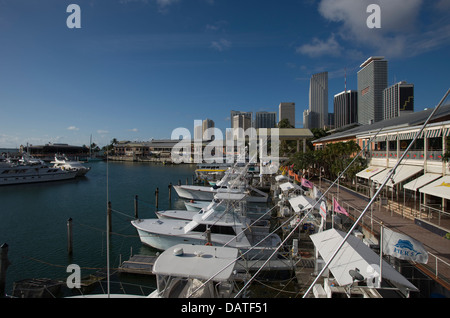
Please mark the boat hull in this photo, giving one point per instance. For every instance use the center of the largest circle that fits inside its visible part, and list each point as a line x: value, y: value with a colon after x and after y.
x: 201, y: 193
x: 35, y: 178
x: 163, y: 242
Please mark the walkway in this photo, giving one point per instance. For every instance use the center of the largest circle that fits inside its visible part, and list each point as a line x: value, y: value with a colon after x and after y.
x: 437, y: 246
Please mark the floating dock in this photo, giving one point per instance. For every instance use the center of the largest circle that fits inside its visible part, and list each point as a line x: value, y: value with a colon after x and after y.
x: 143, y: 265
x: 139, y: 264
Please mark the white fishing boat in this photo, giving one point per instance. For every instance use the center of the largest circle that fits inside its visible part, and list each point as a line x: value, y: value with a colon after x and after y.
x: 30, y: 170
x: 196, y: 271
x: 195, y: 206
x: 68, y: 165
x: 205, y: 193
x: 215, y: 226
x: 235, y: 181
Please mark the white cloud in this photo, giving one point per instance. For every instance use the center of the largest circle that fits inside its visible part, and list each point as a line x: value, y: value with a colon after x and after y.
x: 165, y: 3
x: 133, y: 130
x: 221, y: 45
x: 319, y: 47
x: 102, y: 132
x: 401, y: 32
x: 73, y: 128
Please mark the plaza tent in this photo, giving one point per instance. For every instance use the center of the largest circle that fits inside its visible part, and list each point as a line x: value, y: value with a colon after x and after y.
x: 439, y: 188
x: 424, y: 179
x: 355, y: 254
x: 370, y: 172
x: 402, y: 173
x: 419, y: 182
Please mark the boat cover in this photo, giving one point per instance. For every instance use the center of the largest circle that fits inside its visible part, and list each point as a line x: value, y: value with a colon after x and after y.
x: 354, y: 254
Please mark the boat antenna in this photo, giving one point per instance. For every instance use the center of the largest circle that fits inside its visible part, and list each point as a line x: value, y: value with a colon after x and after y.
x: 376, y: 194
x: 108, y: 230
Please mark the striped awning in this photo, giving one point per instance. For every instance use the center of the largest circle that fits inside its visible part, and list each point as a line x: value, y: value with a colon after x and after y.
x: 433, y: 133
x: 380, y: 138
x: 392, y: 137
x: 408, y: 135
x: 446, y: 132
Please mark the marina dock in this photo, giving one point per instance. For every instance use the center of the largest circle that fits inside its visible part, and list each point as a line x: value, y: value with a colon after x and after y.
x: 138, y: 264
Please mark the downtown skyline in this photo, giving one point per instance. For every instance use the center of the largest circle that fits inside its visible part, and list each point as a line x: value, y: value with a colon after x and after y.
x: 138, y: 69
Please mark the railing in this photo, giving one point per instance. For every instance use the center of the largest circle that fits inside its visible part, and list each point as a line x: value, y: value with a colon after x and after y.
x: 431, y: 211
x: 435, y: 155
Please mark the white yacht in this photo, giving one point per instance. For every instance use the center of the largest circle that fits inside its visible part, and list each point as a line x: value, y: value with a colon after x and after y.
x: 205, y: 193
x: 195, y: 206
x: 196, y: 271
x: 223, y: 201
x: 218, y: 227
x: 28, y: 170
x: 68, y: 165
x: 233, y: 182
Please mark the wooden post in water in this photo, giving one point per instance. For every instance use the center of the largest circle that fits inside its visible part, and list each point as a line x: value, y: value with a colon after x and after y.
x: 170, y: 193
x: 187, y: 181
x: 109, y: 218
x: 156, y: 199
x: 179, y: 182
x: 69, y: 237
x: 4, y: 263
x: 136, y: 212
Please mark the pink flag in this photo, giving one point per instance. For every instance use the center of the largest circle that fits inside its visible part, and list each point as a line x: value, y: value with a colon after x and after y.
x: 338, y: 208
x: 307, y: 184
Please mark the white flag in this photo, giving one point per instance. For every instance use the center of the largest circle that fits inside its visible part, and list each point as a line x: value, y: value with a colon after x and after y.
x: 403, y: 247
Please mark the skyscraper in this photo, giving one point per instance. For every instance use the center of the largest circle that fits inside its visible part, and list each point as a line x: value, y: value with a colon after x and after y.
x: 306, y: 119
x: 318, y: 100
x: 398, y: 99
x: 372, y: 80
x: 345, y: 108
x: 287, y: 111
x: 236, y: 112
x: 241, y: 121
x: 207, y: 123
x: 265, y: 120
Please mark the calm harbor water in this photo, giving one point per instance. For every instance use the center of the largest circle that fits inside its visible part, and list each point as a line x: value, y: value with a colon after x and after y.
x: 33, y: 217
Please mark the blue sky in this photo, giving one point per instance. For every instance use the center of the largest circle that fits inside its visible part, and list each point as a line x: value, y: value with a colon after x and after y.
x: 138, y: 69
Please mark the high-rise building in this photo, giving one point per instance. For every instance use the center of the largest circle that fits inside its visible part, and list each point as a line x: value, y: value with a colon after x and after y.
x: 330, y: 122
x: 306, y: 119
x: 241, y: 121
x: 236, y: 112
x: 318, y: 100
x: 345, y: 108
x: 207, y: 123
x: 287, y: 111
x: 398, y: 100
x: 372, y: 80
x: 265, y: 120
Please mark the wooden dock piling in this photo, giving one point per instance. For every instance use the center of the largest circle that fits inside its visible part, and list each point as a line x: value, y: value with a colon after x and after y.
x: 170, y: 192
x: 69, y: 237
x: 156, y: 199
x: 136, y: 208
x: 4, y: 263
